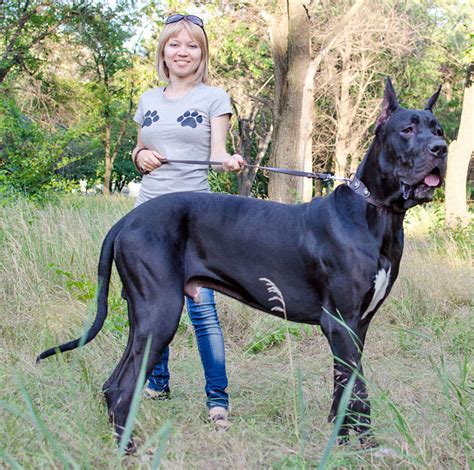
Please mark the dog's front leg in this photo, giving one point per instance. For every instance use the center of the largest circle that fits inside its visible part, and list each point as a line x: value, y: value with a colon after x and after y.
x: 347, y: 344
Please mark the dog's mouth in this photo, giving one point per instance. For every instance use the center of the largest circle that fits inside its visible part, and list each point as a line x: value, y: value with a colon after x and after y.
x: 433, y: 179
x: 424, y: 189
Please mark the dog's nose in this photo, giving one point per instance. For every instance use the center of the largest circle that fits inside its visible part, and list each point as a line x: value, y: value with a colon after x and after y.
x: 438, y: 148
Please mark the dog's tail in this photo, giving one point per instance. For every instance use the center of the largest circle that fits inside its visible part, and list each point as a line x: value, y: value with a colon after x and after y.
x: 104, y: 272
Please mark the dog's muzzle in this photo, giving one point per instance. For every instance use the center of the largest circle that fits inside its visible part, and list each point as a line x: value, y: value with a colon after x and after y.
x: 425, y: 188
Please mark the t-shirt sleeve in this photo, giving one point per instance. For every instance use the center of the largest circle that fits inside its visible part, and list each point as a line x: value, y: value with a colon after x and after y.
x: 220, y: 104
x: 138, y: 118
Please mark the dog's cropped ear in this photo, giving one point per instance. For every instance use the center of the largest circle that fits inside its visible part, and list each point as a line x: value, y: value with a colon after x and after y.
x: 390, y: 103
x: 432, y: 101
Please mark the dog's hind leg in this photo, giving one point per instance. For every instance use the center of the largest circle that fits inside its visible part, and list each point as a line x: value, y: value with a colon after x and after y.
x: 118, y: 367
x: 158, y: 320
x: 347, y: 342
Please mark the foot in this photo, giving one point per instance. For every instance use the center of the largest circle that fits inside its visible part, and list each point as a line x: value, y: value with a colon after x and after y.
x: 367, y: 441
x: 131, y: 447
x: 157, y: 394
x: 219, y: 416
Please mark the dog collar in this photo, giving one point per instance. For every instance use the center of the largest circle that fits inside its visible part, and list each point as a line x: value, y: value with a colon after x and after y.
x: 361, y: 189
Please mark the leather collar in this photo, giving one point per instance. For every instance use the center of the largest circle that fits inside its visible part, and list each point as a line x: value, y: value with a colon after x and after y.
x: 361, y: 189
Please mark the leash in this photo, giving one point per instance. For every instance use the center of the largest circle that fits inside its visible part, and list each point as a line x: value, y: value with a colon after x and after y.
x: 285, y: 171
x: 353, y: 182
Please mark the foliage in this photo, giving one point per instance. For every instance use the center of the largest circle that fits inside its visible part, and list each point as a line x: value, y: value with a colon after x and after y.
x: 443, y: 236
x: 104, y: 31
x: 29, y: 156
x: 443, y: 37
x: 74, y: 70
x: 267, y: 340
x: 84, y: 290
x: 25, y: 25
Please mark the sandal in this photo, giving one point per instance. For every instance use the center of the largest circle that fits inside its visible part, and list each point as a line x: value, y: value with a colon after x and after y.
x: 156, y: 394
x: 219, y: 416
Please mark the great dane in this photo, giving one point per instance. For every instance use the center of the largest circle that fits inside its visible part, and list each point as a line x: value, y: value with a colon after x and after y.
x: 334, y: 259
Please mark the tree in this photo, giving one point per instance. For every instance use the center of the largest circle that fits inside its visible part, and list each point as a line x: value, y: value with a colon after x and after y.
x: 295, y: 70
x: 351, y: 76
x: 241, y: 63
x: 28, y: 155
x: 104, y: 31
x: 24, y: 27
x: 460, y: 153
x: 293, y: 103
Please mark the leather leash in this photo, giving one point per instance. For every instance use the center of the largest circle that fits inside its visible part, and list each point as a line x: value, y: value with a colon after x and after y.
x: 353, y: 182
x: 285, y: 171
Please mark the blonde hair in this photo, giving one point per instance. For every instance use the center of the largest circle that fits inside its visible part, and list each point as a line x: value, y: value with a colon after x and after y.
x: 198, y: 34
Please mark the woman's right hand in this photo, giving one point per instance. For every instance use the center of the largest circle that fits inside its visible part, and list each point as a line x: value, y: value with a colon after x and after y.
x: 149, y: 160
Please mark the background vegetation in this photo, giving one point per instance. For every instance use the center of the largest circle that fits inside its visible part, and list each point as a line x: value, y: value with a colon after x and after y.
x: 71, y: 73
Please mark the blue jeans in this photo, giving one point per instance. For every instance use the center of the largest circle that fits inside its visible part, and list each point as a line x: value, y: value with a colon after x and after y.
x: 210, y: 341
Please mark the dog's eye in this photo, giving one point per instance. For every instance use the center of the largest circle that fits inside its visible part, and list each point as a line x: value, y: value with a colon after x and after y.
x: 407, y: 130
x: 439, y: 132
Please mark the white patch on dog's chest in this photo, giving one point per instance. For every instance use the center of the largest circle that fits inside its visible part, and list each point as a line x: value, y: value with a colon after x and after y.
x: 380, y: 287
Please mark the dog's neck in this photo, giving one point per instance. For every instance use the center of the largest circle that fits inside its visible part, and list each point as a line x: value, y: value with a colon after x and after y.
x: 384, y: 188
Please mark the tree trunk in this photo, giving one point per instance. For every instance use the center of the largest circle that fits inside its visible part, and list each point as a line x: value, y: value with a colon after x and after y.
x: 460, y: 152
x: 344, y: 114
x: 293, y: 111
x: 108, y: 158
x: 249, y: 135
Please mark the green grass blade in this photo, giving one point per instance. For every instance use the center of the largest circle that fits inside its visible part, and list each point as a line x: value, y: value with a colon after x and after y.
x: 419, y: 334
x: 301, y: 412
x: 341, y: 412
x: 66, y: 461
x: 10, y: 460
x: 127, y: 432
x: 13, y: 409
x: 401, y: 423
x: 355, y: 339
x: 162, y: 435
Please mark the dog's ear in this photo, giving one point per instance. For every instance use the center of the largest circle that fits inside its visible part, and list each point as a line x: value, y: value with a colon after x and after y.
x: 432, y: 101
x: 390, y: 103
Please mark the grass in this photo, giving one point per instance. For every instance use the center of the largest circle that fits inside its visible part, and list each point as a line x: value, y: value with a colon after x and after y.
x: 418, y: 362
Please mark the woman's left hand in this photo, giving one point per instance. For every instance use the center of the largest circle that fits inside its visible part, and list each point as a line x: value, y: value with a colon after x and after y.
x: 233, y: 163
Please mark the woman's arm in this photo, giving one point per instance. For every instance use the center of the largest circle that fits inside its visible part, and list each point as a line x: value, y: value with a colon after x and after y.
x: 147, y: 160
x: 219, y: 128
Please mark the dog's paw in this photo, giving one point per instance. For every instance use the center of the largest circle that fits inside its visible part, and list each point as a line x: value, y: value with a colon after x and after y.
x: 131, y: 447
x: 368, y: 442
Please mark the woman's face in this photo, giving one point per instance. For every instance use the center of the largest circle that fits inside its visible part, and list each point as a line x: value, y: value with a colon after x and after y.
x: 182, y: 55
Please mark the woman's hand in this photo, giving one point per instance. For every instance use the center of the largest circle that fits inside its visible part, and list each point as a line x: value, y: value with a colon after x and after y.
x: 233, y: 163
x: 149, y: 160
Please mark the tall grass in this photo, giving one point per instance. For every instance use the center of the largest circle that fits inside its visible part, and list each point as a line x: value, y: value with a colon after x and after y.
x: 417, y: 361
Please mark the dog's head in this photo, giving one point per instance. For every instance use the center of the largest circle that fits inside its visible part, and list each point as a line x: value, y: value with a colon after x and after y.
x: 414, y: 148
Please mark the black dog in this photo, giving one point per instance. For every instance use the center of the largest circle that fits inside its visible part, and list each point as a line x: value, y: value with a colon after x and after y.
x: 334, y: 259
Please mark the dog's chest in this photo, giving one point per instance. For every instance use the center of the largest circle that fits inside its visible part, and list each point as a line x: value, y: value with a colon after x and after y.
x: 381, y: 282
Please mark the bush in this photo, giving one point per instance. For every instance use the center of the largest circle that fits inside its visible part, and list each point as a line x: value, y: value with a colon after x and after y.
x: 28, y: 154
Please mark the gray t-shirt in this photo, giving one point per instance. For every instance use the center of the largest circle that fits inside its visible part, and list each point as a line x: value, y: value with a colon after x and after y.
x: 179, y: 129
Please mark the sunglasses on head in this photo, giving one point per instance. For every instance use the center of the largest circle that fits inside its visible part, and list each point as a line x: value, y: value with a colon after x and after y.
x: 192, y: 18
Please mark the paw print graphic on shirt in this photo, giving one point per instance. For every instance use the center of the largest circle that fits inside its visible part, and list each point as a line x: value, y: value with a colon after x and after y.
x: 190, y: 119
x: 150, y: 118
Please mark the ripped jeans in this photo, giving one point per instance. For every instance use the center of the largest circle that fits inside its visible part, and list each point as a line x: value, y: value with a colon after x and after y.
x: 210, y: 342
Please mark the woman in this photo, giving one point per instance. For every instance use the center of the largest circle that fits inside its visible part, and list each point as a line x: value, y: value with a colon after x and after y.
x: 186, y: 120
